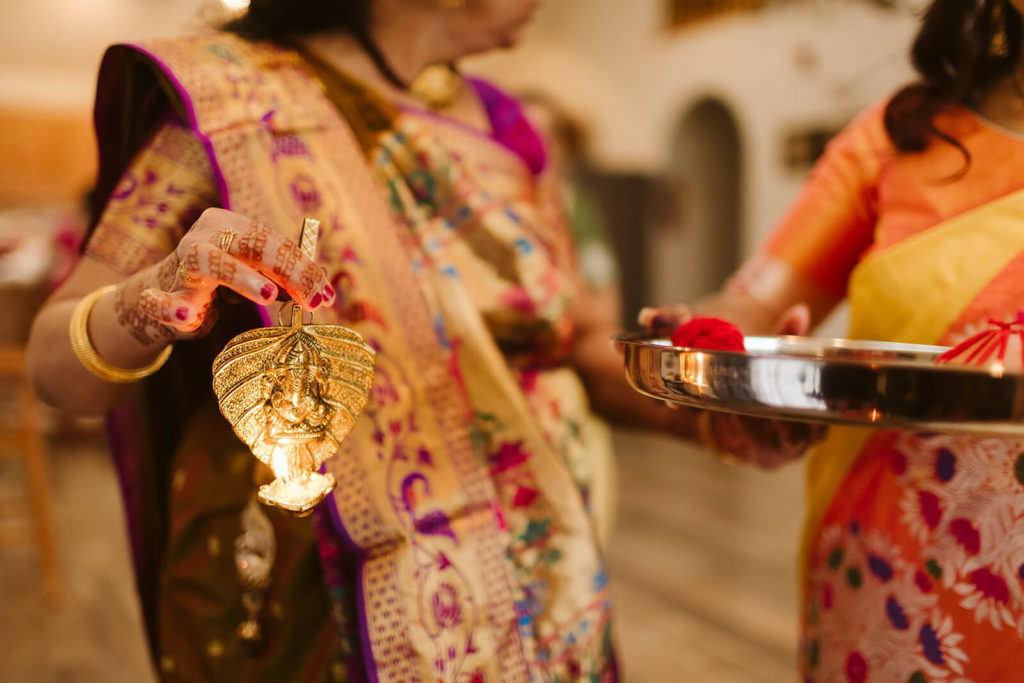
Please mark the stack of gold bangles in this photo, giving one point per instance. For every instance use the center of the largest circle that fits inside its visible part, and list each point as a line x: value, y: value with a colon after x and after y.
x: 86, y: 352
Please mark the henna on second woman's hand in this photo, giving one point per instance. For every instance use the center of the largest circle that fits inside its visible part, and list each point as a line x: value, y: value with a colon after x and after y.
x: 765, y: 442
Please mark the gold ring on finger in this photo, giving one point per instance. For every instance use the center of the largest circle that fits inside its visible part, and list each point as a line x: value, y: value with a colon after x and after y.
x: 226, y: 238
x: 187, y: 277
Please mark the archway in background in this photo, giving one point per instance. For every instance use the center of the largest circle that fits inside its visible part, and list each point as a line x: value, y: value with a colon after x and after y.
x: 696, y: 243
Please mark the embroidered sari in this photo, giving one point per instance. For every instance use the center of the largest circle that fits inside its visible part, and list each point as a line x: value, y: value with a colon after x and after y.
x: 461, y: 543
x: 915, y: 541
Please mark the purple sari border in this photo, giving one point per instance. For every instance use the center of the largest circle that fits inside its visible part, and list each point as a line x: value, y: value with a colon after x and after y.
x: 509, y: 125
x: 364, y: 627
x: 335, y: 518
x: 179, y: 87
x: 116, y: 427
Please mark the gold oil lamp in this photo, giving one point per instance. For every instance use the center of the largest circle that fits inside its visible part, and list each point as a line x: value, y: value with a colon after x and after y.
x: 292, y: 393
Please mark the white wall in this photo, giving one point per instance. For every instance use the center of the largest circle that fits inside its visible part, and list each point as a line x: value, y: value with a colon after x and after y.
x: 801, y: 63
x: 50, y: 49
x: 610, y: 60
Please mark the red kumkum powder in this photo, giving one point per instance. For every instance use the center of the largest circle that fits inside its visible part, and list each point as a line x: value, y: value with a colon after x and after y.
x: 710, y: 334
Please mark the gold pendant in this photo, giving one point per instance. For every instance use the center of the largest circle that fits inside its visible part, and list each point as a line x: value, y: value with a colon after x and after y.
x: 292, y: 393
x: 438, y: 86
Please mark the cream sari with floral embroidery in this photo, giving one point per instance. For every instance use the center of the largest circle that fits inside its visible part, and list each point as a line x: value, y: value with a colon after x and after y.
x: 461, y: 542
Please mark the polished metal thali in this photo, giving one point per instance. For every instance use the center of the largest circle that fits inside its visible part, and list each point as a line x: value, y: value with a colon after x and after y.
x: 835, y: 381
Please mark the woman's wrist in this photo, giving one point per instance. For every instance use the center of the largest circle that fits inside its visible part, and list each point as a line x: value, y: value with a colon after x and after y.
x: 85, y: 350
x: 129, y: 312
x: 120, y: 331
x: 680, y: 421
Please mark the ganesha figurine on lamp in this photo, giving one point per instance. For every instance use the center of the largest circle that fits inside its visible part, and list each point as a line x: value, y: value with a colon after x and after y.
x: 292, y: 393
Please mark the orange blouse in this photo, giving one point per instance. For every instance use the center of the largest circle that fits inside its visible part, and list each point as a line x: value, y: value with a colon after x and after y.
x: 863, y: 196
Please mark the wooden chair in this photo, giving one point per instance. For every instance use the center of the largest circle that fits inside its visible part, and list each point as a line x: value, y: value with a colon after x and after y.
x: 21, y: 439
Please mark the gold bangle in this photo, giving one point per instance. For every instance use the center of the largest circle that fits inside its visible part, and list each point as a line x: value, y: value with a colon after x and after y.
x: 707, y: 438
x: 78, y: 330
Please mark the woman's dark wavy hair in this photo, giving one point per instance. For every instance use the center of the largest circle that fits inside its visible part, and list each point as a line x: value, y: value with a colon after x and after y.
x: 956, y: 65
x: 279, y: 20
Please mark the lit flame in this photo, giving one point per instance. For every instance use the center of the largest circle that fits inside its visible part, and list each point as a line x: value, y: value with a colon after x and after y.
x: 235, y: 5
x: 279, y: 461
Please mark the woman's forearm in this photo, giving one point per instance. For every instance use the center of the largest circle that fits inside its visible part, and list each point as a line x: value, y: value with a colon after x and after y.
x: 595, y: 316
x: 58, y: 376
x: 601, y: 369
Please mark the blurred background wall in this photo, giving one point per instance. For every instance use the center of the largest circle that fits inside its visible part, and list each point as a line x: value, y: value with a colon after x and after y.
x: 700, y: 131
x: 722, y: 116
x: 49, y: 53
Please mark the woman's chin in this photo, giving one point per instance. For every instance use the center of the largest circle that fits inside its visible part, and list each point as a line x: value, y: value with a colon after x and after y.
x: 510, y: 39
x: 503, y: 42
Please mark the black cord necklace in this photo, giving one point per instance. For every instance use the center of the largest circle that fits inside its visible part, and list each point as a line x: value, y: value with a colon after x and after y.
x: 375, y: 55
x: 437, y: 85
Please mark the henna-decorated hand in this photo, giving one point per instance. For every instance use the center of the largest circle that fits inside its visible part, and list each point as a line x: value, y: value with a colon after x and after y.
x: 760, y: 441
x: 764, y: 442
x: 174, y: 298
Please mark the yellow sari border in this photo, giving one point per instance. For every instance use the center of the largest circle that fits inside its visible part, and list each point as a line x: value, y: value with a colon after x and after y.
x: 913, y: 291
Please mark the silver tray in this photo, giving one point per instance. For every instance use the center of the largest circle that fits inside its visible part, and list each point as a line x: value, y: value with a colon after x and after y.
x: 836, y: 381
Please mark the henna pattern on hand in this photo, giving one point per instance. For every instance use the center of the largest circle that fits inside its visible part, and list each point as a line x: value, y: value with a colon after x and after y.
x: 222, y: 267
x: 207, y: 319
x: 309, y: 278
x: 191, y: 261
x: 252, y: 244
x: 167, y: 275
x: 285, y: 259
x: 134, y: 315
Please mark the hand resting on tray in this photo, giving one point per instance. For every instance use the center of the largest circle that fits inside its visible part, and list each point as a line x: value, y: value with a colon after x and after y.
x: 763, y: 442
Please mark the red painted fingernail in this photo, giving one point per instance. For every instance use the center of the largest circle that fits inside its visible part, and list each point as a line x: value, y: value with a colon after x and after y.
x: 328, y: 292
x: 315, y: 301
x: 267, y: 291
x: 181, y: 313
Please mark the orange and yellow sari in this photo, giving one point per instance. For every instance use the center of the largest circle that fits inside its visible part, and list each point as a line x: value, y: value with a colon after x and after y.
x: 461, y: 543
x: 915, y: 541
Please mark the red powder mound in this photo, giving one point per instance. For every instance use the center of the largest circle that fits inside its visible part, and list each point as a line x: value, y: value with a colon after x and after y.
x: 712, y: 334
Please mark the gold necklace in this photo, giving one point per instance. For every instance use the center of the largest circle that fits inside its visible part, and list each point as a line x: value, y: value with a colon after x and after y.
x: 437, y: 86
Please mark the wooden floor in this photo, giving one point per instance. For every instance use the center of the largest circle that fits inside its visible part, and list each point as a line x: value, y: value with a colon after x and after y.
x: 702, y: 565
x: 94, y: 635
